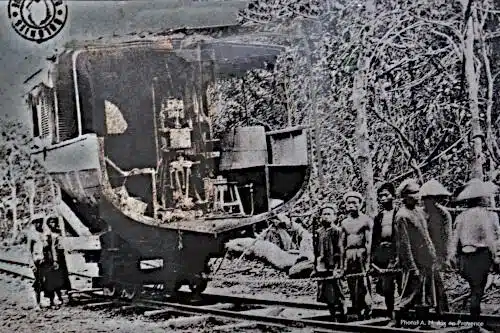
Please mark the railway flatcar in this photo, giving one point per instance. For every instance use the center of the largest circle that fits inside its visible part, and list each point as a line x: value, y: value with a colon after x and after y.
x: 148, y: 194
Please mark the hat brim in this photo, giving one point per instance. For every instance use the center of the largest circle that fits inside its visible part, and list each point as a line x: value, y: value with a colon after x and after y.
x: 477, y: 190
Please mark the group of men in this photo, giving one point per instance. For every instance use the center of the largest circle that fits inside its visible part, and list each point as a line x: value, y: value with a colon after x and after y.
x: 408, y: 248
x: 48, y: 261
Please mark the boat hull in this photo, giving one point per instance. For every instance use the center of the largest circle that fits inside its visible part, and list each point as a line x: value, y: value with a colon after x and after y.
x: 128, y: 242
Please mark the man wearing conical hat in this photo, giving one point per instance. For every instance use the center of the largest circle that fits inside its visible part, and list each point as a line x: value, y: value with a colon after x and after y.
x: 329, y: 262
x: 475, y: 240
x: 439, y: 224
x: 356, y: 241
x: 417, y: 256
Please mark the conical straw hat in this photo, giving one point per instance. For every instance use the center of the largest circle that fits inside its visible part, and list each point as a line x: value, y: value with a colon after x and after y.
x: 433, y: 188
x: 477, y: 188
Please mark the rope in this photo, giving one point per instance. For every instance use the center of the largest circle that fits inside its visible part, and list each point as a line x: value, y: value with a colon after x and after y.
x: 220, y: 263
x: 265, y: 281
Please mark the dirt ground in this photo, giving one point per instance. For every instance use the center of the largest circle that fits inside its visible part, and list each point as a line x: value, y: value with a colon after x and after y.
x: 17, y: 313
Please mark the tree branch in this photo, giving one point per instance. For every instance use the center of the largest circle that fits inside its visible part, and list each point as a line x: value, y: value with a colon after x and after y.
x: 387, y: 163
x: 421, y: 165
x: 395, y: 128
x: 440, y: 143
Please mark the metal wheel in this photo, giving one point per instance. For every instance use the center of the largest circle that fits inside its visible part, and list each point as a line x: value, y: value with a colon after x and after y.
x: 130, y: 293
x: 199, y: 286
x: 112, y: 291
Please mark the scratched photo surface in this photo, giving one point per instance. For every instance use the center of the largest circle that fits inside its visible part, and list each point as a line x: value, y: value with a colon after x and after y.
x: 249, y: 166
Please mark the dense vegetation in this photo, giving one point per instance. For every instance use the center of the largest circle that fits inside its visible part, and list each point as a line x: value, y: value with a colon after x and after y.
x: 390, y: 90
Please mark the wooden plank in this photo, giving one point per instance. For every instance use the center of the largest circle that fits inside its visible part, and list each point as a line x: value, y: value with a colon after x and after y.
x: 373, y: 321
x: 72, y: 219
x: 220, y: 306
x: 186, y: 321
x: 156, y: 312
x: 232, y: 327
x: 97, y: 305
x: 81, y: 243
x: 83, y: 291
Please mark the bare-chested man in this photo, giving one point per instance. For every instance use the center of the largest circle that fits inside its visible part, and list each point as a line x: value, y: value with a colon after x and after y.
x: 384, y: 252
x: 356, y: 240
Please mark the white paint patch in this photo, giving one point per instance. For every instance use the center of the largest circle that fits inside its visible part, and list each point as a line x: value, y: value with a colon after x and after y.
x: 115, y: 122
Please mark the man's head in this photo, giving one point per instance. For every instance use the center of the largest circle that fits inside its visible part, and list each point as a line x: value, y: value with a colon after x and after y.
x: 409, y: 192
x: 53, y: 224
x: 38, y: 224
x: 353, y: 202
x: 385, y: 195
x: 328, y: 215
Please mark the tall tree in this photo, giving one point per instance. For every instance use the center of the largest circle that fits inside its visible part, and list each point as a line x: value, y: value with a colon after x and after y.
x: 472, y: 74
x: 23, y: 182
x: 360, y: 101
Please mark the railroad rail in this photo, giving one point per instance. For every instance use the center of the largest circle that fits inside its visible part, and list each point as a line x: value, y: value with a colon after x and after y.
x: 234, y: 308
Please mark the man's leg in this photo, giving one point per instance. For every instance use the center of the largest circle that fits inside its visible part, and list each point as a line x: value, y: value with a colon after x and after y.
x: 59, y: 295
x: 51, y: 296
x: 441, y: 297
x: 37, y: 283
x: 351, y: 284
x: 475, y: 269
x: 389, y: 287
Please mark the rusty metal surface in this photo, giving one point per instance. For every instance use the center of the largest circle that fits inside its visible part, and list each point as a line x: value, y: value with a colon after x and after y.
x: 244, y: 147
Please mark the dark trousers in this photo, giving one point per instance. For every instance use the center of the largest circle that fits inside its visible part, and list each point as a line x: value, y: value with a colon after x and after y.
x: 411, y: 290
x: 359, y: 287
x: 441, y: 298
x: 330, y: 292
x: 384, y: 257
x: 386, y: 287
x: 37, y: 284
x: 474, y: 268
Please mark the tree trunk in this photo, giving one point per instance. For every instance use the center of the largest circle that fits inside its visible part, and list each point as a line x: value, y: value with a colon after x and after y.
x: 15, y: 222
x: 31, y: 201
x: 362, y: 136
x: 472, y: 77
x: 314, y: 104
x: 264, y: 250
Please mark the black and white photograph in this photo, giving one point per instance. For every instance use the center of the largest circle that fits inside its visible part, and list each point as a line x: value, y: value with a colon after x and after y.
x: 276, y: 166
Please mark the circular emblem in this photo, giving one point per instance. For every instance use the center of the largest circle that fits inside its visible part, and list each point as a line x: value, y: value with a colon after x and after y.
x: 37, y: 20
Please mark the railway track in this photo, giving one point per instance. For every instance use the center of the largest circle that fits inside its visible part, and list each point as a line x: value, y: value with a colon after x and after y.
x: 251, y: 313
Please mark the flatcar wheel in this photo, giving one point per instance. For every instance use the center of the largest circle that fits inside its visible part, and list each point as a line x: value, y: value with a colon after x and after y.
x: 112, y: 291
x: 198, y: 287
x: 130, y: 293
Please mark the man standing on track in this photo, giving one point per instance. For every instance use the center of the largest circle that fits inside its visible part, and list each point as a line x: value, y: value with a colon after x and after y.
x: 329, y: 262
x: 417, y: 256
x: 439, y: 224
x: 36, y: 245
x: 59, y: 274
x: 475, y: 240
x: 384, y: 254
x: 356, y: 239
